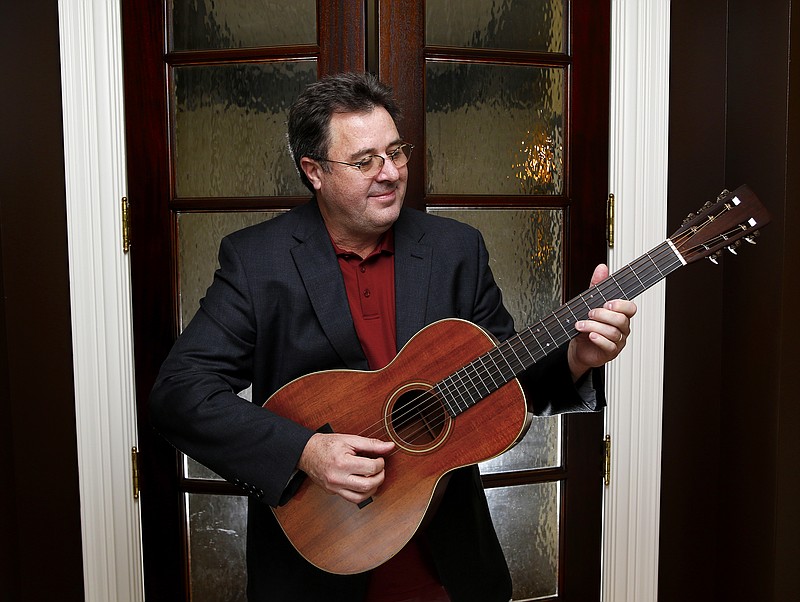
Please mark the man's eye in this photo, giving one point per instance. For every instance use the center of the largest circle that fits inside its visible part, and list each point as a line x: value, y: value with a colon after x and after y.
x: 365, y: 163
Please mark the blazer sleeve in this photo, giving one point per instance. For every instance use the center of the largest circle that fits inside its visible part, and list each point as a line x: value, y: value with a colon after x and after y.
x: 195, y: 403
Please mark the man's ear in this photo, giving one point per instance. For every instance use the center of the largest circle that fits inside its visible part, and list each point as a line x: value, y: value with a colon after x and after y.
x: 313, y: 171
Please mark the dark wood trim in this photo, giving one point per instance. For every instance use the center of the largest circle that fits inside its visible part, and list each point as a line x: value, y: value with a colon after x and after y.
x: 582, y: 508
x: 241, y: 55
x: 588, y: 98
x: 152, y: 277
x: 40, y: 538
x: 495, y: 201
x: 523, y: 477
x: 227, y: 204
x: 401, y: 28
x: 497, y: 56
x: 341, y: 31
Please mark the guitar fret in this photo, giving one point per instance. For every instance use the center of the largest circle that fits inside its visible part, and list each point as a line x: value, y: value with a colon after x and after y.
x: 527, y: 350
x: 477, y: 385
x: 495, y: 384
x: 499, y: 350
x: 638, y: 279
x: 655, y: 264
x: 443, y: 392
x: 456, y: 395
x: 621, y: 294
x: 519, y: 361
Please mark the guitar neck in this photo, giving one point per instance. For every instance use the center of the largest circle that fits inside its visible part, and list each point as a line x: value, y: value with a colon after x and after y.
x: 487, y: 373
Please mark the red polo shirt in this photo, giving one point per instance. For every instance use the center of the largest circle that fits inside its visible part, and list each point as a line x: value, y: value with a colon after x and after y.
x: 369, y: 283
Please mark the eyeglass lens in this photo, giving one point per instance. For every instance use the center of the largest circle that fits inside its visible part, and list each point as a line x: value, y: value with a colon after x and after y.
x: 373, y: 164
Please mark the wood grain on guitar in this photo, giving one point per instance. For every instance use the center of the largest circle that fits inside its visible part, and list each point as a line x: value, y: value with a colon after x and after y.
x: 450, y: 399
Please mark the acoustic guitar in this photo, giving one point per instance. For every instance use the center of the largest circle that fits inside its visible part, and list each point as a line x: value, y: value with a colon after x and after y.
x: 450, y: 399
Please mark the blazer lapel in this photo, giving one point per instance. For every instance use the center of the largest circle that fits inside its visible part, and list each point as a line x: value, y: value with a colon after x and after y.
x: 412, y: 270
x: 322, y: 278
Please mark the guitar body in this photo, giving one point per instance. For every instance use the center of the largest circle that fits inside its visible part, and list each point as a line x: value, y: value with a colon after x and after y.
x: 396, y: 403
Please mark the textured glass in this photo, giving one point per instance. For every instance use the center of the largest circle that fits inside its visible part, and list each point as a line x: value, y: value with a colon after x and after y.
x: 199, y: 235
x: 230, y: 128
x: 494, y: 129
x: 526, y: 256
x: 217, y: 531
x: 526, y: 518
x: 209, y: 24
x: 536, y: 25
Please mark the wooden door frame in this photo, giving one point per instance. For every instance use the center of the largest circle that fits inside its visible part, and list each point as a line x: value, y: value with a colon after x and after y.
x: 101, y: 318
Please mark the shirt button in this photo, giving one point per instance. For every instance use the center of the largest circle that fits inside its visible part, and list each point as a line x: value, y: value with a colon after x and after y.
x: 366, y: 292
x: 363, y: 269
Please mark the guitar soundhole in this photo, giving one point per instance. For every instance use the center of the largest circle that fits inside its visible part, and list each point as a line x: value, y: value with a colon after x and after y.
x: 418, y: 419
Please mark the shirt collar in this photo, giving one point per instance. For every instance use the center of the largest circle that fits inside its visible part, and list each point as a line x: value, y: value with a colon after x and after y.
x: 385, y: 246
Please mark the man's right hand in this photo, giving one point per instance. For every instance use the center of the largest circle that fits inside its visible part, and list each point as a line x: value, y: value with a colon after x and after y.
x: 347, y: 465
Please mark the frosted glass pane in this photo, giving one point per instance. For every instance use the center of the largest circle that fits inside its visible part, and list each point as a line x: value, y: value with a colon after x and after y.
x: 494, y: 129
x: 526, y: 518
x: 208, y: 24
x: 217, y: 534
x: 199, y: 235
x: 536, y: 25
x: 526, y: 256
x: 230, y: 128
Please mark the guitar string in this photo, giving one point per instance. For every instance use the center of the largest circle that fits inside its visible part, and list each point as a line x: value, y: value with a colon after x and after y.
x: 429, y: 400
x: 642, y: 276
x: 414, y: 405
x: 489, y: 354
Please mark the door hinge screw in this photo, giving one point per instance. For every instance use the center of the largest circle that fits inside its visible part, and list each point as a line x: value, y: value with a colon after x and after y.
x: 135, y: 471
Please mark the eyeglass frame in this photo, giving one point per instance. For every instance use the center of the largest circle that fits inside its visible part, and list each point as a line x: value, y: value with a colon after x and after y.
x: 360, y: 164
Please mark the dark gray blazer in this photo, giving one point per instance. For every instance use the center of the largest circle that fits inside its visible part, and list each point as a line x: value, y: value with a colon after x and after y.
x: 277, y: 310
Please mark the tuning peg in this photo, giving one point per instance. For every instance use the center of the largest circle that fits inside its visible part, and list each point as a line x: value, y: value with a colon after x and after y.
x: 732, y: 248
x: 752, y: 238
x: 689, y: 218
x: 723, y: 194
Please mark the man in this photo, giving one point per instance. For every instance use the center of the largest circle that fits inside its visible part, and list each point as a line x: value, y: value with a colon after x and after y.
x: 345, y: 281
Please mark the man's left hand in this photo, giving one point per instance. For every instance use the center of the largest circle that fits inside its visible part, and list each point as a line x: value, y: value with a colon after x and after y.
x: 603, y: 335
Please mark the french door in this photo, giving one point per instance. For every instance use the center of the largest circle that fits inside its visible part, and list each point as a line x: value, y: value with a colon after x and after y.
x: 508, y: 104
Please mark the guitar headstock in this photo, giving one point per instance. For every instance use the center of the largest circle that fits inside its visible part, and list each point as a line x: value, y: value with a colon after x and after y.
x: 719, y: 225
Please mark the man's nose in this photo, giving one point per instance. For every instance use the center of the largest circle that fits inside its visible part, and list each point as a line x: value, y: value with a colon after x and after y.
x: 389, y: 171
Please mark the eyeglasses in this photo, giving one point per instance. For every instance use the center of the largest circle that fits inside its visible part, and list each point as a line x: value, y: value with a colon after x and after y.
x: 372, y: 165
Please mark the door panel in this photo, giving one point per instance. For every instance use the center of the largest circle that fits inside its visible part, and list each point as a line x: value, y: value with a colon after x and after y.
x: 230, y: 128
x: 509, y: 103
x: 494, y: 129
x: 533, y: 25
x: 207, y: 25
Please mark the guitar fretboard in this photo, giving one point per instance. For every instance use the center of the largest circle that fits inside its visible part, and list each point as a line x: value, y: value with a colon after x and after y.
x: 487, y: 373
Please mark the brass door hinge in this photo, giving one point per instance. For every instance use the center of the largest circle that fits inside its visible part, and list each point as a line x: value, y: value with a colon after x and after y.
x: 126, y: 225
x: 610, y: 221
x: 135, y: 472
x: 607, y: 460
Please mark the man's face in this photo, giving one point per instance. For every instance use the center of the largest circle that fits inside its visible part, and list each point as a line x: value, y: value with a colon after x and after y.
x: 357, y: 208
